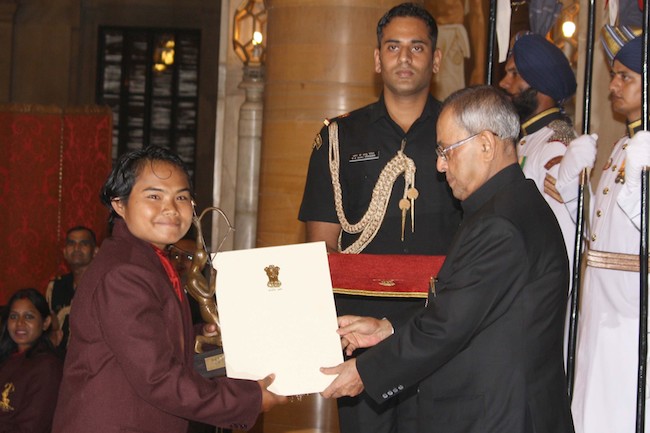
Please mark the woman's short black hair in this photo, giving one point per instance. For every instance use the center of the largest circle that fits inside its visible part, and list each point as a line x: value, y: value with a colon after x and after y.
x: 120, y: 182
x: 9, y: 346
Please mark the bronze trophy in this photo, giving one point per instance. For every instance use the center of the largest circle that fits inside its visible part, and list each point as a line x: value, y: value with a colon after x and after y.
x: 208, y: 363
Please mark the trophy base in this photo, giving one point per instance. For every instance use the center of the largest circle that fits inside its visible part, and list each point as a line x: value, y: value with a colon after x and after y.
x: 211, y: 363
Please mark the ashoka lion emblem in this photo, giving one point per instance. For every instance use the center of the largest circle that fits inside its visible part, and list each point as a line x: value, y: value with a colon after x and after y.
x: 272, y: 272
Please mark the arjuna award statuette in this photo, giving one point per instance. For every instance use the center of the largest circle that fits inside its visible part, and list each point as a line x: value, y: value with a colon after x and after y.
x: 208, y: 363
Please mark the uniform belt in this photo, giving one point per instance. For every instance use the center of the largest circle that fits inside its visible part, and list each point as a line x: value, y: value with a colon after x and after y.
x: 613, y: 261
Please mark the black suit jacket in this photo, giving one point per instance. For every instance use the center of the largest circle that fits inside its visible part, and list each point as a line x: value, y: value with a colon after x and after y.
x: 486, y: 351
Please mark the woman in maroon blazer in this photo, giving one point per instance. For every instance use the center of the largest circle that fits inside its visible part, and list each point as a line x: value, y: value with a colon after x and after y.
x: 129, y: 363
x: 30, y: 368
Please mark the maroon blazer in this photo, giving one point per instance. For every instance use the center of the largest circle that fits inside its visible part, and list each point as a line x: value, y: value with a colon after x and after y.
x: 129, y: 362
x: 29, y: 387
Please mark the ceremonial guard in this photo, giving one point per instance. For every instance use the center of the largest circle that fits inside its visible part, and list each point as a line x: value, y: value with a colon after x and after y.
x: 604, y: 399
x: 539, y: 79
x: 372, y: 186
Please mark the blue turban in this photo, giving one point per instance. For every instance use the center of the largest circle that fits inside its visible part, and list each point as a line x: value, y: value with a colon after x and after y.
x: 544, y: 66
x: 630, y: 55
x: 614, y: 38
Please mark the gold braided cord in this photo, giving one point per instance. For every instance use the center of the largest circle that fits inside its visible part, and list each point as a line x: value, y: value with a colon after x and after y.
x: 371, y: 221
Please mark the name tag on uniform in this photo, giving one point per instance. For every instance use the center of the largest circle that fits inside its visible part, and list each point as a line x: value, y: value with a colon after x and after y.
x: 365, y: 156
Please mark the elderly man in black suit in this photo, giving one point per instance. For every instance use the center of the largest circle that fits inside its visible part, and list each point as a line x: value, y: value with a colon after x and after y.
x: 486, y: 351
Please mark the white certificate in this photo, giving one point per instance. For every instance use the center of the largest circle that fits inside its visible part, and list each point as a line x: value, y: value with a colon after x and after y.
x: 277, y: 314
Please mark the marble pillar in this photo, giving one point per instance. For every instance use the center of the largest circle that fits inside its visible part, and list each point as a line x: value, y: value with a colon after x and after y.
x: 248, y: 157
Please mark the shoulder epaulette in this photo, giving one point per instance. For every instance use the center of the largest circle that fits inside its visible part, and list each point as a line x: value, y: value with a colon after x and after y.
x: 318, y: 140
x: 333, y: 119
x: 562, y: 131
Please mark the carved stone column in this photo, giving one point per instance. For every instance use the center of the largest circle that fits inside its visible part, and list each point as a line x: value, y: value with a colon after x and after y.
x: 248, y: 157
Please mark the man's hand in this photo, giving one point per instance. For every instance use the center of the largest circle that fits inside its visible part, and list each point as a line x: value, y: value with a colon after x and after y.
x: 580, y: 154
x: 637, y: 156
x: 359, y: 332
x: 348, y: 383
x: 269, y: 399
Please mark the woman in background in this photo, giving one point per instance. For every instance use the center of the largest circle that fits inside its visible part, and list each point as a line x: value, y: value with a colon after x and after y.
x: 30, y: 369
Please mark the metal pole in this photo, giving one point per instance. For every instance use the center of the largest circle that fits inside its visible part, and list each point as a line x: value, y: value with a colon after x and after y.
x: 643, y: 306
x: 589, y: 64
x: 643, y: 248
x: 575, y: 288
x: 580, y: 217
x: 491, y: 41
x: 644, y: 67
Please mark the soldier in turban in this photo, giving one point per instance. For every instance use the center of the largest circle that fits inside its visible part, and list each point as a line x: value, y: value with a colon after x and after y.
x: 539, y: 79
x: 604, y: 397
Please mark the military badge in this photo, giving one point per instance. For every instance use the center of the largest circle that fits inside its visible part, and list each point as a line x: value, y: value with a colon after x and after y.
x: 318, y: 142
x: 620, y: 177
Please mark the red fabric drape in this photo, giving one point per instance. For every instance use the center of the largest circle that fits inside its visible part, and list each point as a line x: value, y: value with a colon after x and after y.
x: 52, y: 164
x: 87, y: 137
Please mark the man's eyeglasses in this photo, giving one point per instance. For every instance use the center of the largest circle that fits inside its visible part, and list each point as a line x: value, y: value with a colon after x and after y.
x: 442, y: 151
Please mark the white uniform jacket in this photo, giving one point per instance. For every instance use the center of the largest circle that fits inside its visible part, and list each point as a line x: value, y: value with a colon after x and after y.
x: 604, y: 398
x: 540, y: 152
